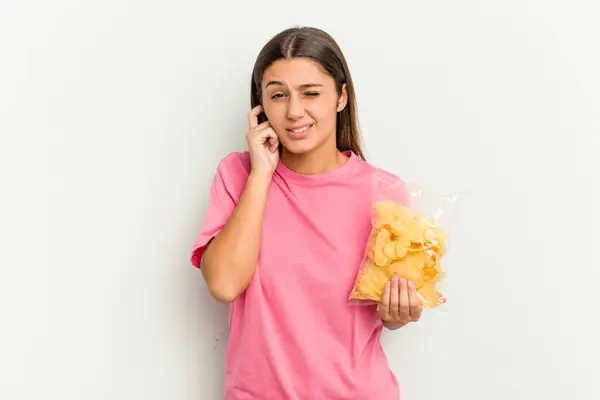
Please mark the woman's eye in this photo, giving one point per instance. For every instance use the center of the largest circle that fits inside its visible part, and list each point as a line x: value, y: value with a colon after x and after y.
x: 307, y: 94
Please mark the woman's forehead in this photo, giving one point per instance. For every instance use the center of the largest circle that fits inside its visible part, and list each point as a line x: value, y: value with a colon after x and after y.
x: 297, y: 72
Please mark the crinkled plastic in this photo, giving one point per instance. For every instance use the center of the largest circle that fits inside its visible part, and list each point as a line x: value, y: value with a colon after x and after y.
x: 410, y: 227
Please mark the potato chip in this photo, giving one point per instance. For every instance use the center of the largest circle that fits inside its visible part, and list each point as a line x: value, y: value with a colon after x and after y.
x: 371, y: 282
x: 409, y: 267
x: 403, y: 244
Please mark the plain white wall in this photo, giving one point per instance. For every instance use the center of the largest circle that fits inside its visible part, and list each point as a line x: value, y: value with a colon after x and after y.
x: 114, y: 115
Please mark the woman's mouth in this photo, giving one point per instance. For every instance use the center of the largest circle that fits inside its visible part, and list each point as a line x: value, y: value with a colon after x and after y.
x: 299, y: 132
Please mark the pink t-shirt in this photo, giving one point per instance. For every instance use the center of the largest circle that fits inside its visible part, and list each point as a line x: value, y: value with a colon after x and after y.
x: 293, y: 334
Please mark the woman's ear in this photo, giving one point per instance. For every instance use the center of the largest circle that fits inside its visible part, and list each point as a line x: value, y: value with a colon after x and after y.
x: 343, y: 99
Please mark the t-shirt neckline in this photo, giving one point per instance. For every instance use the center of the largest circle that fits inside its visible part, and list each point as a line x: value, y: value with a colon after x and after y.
x: 335, y: 173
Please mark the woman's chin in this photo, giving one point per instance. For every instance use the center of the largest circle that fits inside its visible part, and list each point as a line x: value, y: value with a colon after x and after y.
x: 299, y: 147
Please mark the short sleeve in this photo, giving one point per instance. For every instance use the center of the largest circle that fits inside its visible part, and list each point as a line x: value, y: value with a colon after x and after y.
x: 225, y: 191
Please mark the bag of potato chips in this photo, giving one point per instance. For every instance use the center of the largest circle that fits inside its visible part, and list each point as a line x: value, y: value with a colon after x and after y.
x: 409, y: 238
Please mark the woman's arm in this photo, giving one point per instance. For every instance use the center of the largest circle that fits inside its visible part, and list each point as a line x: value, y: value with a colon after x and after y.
x: 230, y: 258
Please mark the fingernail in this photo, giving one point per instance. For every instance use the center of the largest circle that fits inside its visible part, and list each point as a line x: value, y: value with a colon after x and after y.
x: 403, y: 281
x: 395, y: 279
x: 411, y: 285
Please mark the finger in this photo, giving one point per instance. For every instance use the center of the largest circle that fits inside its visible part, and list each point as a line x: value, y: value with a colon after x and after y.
x: 414, y: 302
x: 271, y: 134
x: 253, y: 116
x: 384, y: 306
x: 273, y: 139
x: 262, y: 133
x: 394, y: 299
x: 261, y: 126
x: 273, y: 144
x: 404, y: 307
x: 266, y: 135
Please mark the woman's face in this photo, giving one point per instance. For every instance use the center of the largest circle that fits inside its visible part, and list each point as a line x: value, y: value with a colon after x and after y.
x: 301, y: 104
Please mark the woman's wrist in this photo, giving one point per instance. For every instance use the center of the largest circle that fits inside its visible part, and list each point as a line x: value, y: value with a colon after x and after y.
x: 259, y: 179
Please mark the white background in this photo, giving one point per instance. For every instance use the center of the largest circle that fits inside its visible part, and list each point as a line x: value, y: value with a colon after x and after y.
x: 113, y: 117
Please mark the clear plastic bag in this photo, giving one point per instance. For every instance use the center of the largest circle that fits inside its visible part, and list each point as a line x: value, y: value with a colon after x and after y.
x: 410, y: 230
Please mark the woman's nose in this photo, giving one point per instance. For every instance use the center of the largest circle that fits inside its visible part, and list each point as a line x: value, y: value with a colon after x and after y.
x: 295, y: 108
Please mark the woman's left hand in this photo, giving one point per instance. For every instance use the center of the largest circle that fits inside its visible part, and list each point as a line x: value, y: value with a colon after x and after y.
x: 400, y: 304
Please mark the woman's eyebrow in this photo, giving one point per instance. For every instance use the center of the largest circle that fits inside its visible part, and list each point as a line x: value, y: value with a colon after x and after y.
x: 304, y: 86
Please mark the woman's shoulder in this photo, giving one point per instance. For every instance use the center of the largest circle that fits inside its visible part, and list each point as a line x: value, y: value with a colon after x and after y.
x: 378, y: 173
x: 235, y: 164
x: 385, y: 184
x: 232, y: 173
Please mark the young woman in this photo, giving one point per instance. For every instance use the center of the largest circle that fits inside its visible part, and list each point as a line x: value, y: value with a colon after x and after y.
x: 285, y: 233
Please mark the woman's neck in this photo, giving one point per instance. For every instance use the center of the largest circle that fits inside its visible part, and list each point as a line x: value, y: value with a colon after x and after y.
x: 318, y: 161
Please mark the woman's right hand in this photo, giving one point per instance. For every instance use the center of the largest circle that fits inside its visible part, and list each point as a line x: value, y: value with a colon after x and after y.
x: 263, y: 144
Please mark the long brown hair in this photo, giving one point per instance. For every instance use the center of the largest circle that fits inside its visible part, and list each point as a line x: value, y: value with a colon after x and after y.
x: 319, y: 46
